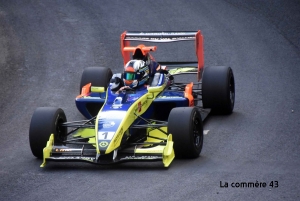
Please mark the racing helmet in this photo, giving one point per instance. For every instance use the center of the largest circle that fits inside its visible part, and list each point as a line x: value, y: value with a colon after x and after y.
x: 136, y: 73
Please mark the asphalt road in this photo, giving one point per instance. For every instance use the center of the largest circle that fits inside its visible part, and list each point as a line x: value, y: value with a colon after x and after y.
x: 44, y: 46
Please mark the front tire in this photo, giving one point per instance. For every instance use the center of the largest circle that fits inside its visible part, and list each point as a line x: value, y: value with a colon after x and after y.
x: 44, y: 122
x: 98, y: 76
x: 185, y: 125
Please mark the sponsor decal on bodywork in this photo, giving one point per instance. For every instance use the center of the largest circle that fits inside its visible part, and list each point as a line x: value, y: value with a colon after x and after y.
x: 112, y: 114
x: 117, y: 103
x: 141, y: 157
x: 170, y: 97
x: 118, y: 136
x: 107, y: 124
x: 91, y: 159
x: 62, y: 150
x: 139, y: 106
x: 103, y: 144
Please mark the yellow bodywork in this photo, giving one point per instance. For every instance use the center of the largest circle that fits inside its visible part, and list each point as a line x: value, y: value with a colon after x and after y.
x: 131, y: 115
x: 136, y: 109
x: 86, y: 133
x: 97, y: 89
x: 167, y: 150
x: 47, y: 150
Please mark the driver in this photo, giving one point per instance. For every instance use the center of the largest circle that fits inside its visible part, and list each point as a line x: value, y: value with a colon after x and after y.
x: 139, y: 71
x: 136, y: 74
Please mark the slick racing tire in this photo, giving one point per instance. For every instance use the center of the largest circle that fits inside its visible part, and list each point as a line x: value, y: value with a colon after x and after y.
x: 218, y: 89
x: 98, y: 76
x: 44, y: 122
x: 185, y: 125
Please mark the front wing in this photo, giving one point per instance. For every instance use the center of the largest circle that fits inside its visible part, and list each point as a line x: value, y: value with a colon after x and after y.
x: 153, y: 149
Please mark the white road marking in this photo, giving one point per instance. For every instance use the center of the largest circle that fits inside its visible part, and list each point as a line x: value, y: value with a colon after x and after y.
x: 205, y: 132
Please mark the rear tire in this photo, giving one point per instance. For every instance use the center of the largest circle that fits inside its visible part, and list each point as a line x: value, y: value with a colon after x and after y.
x: 185, y: 125
x: 98, y: 76
x: 218, y: 89
x: 44, y: 122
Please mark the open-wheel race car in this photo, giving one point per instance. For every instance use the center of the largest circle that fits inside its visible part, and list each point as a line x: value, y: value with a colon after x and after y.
x: 155, y: 122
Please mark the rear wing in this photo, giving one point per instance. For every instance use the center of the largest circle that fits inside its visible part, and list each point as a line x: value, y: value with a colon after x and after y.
x: 163, y: 37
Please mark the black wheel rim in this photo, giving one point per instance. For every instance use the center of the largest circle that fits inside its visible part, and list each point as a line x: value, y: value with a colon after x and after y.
x: 196, y: 131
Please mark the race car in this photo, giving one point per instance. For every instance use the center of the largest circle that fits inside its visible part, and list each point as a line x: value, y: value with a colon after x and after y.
x: 153, y: 123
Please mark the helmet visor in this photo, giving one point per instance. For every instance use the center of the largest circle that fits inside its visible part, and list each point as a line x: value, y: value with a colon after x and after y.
x: 129, y: 75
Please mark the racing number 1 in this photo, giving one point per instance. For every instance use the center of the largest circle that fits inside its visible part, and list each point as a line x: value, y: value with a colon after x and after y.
x: 105, y: 135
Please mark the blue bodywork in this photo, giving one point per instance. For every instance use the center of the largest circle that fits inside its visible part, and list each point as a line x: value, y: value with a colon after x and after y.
x: 90, y: 105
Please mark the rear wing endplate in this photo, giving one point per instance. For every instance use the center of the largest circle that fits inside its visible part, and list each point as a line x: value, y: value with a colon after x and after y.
x: 163, y: 37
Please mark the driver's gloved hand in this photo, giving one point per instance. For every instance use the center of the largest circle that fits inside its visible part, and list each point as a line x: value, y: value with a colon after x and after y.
x: 167, y: 73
